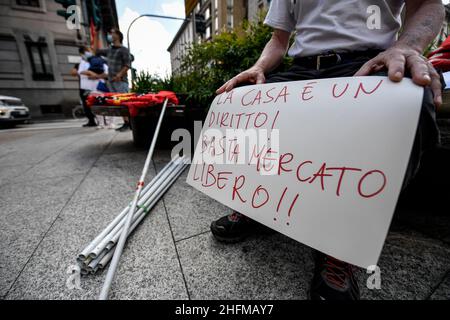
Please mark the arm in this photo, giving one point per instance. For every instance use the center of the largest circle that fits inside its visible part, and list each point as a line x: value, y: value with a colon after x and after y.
x: 119, y: 76
x: 423, y: 21
x: 96, y: 45
x: 126, y: 62
x: 88, y: 73
x: 103, y: 76
x: 94, y: 76
x: 106, y: 72
x: 271, y: 58
x: 74, y: 71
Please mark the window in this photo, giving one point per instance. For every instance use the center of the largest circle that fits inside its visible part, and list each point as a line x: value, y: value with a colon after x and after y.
x: 40, y: 59
x: 208, y: 13
x: 216, y: 24
x: 230, y: 13
x: 29, y: 3
x: 216, y: 17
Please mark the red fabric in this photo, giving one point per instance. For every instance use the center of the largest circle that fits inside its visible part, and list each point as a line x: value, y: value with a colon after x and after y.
x: 92, y: 30
x: 133, y: 107
x: 445, y: 46
x: 133, y: 101
x: 440, y: 58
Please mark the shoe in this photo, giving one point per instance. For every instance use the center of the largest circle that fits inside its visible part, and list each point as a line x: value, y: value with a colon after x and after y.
x: 89, y: 125
x: 124, y: 127
x: 236, y: 227
x: 333, y: 280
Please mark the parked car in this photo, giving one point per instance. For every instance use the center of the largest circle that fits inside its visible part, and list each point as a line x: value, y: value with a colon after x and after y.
x: 13, y: 111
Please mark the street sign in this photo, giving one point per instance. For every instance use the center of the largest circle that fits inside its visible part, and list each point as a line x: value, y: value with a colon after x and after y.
x: 321, y: 161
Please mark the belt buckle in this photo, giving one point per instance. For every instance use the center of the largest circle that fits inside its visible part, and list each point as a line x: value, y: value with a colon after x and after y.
x: 320, y: 56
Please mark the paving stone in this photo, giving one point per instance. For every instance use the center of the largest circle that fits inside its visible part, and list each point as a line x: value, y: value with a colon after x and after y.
x: 266, y: 267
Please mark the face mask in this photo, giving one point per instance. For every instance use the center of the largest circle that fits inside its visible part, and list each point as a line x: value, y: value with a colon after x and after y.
x: 109, y: 38
x: 88, y: 55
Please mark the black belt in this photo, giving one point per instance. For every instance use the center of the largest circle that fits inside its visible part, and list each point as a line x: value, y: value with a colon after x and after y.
x: 330, y: 59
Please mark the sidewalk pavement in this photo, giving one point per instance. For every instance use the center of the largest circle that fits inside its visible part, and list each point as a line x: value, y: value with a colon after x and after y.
x: 59, y: 188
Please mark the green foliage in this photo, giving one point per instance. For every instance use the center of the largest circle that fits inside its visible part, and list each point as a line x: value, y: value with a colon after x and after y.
x: 208, y: 65
x: 145, y: 82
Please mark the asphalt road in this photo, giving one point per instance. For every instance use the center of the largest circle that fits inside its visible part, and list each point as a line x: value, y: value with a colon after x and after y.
x: 61, y: 184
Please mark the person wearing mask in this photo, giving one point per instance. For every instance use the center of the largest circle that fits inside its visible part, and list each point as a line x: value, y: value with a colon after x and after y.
x: 89, y: 81
x: 119, y: 62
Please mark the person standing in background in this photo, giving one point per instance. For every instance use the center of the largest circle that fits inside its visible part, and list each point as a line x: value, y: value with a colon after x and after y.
x: 119, y: 62
x: 89, y: 82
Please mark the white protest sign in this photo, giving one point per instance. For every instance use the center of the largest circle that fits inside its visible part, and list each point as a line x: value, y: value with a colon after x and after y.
x: 320, y: 161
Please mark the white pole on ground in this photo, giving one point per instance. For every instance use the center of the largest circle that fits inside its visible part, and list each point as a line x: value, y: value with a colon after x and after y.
x: 149, y: 189
x: 105, y: 252
x: 123, y: 237
x: 137, y: 220
x: 117, y: 229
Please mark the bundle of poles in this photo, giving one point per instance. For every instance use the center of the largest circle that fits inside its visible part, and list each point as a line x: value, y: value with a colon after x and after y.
x: 107, y: 247
x: 100, y: 251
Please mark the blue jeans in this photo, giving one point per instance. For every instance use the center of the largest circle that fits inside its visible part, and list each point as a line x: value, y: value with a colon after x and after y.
x: 118, y: 86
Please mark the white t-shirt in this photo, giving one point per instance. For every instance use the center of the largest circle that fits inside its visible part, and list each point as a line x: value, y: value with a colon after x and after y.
x: 85, y: 82
x: 341, y: 26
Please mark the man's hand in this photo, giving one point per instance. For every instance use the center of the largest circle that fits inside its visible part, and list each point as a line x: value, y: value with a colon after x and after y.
x: 117, y: 78
x: 423, y: 21
x: 399, y: 58
x: 270, y: 58
x: 253, y: 75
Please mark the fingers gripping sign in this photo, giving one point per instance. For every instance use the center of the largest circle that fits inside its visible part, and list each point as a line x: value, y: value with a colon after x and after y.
x: 253, y: 75
x: 399, y: 60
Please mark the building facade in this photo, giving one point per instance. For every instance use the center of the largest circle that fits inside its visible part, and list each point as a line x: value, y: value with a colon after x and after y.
x: 220, y: 15
x: 38, y: 51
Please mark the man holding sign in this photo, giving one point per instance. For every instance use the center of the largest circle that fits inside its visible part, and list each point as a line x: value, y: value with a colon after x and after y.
x: 344, y: 39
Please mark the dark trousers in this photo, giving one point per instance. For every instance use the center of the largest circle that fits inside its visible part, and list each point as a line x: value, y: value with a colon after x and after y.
x: 427, y: 136
x: 87, y: 111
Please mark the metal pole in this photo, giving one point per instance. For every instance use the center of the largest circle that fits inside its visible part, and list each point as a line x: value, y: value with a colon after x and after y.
x: 146, y: 193
x: 153, y: 199
x: 113, y: 236
x: 118, y: 227
x: 128, y: 34
x: 123, y: 238
x: 102, y: 245
x: 102, y: 262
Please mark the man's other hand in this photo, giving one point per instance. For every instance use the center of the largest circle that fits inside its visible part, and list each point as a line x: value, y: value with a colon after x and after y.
x: 253, y: 75
x: 116, y: 79
x: 399, y: 58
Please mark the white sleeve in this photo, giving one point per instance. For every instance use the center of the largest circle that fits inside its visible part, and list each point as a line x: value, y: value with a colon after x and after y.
x: 84, y: 66
x: 280, y: 16
x: 105, y: 68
